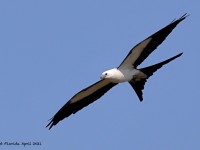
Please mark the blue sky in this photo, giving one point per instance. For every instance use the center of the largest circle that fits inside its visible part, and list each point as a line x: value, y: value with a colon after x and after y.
x: 50, y: 50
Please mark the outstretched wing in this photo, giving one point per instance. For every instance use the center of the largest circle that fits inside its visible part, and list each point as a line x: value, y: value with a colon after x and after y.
x: 81, y: 99
x: 142, y: 50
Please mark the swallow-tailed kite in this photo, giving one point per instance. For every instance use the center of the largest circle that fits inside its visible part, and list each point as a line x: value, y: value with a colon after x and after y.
x: 126, y: 72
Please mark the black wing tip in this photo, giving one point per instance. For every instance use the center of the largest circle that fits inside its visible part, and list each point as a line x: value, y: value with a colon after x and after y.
x: 181, y: 18
x: 51, y: 124
x: 184, y: 16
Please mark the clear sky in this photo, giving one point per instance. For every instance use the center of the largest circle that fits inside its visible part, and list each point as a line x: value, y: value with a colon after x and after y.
x: 49, y: 50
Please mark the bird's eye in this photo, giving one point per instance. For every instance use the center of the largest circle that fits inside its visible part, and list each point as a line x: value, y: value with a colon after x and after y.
x: 106, y: 74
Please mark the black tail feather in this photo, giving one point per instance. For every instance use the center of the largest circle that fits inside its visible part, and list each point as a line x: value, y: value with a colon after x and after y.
x: 151, y: 69
x: 138, y: 86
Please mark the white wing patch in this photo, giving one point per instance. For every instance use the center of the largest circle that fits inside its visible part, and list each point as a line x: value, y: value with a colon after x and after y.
x: 88, y: 91
x: 128, y: 63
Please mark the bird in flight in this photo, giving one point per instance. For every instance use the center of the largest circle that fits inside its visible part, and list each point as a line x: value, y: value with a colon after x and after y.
x: 127, y: 71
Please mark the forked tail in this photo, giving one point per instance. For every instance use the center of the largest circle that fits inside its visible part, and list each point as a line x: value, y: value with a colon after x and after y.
x: 138, y: 86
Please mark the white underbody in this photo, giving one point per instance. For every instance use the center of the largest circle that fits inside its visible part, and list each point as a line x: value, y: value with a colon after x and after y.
x: 123, y: 75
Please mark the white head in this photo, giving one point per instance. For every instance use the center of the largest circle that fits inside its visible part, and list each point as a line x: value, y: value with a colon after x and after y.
x: 114, y: 75
x: 107, y: 74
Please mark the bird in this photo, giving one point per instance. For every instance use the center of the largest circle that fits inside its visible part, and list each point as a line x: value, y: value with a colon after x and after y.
x: 127, y: 71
